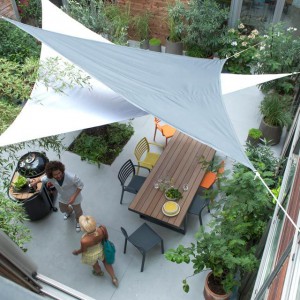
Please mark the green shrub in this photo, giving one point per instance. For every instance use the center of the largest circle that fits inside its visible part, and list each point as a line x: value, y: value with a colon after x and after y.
x: 16, y: 45
x: 17, y: 80
x: 12, y: 219
x: 255, y: 133
x: 155, y: 42
x: 30, y: 12
x: 102, y: 144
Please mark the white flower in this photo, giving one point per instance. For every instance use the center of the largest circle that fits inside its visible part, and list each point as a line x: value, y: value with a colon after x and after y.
x: 251, y: 36
x: 234, y: 43
x: 266, y: 36
x: 290, y: 29
x: 244, y: 44
x: 255, y: 32
x: 241, y: 26
x: 231, y: 30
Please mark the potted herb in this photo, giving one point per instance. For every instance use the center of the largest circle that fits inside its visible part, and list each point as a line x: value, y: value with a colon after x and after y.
x: 276, y: 112
x: 173, y: 194
x: 254, y: 136
x: 142, y: 28
x: 20, y: 183
x: 175, y: 21
x: 155, y: 44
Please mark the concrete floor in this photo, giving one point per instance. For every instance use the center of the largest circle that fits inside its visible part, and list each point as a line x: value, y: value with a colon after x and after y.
x: 54, y: 238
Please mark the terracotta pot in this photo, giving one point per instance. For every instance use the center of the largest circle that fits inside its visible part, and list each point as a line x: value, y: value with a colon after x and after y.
x: 209, y: 294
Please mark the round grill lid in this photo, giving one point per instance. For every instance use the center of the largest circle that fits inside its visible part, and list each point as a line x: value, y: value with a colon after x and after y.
x: 32, y: 164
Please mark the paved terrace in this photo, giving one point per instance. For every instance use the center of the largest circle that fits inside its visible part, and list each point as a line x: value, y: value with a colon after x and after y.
x: 54, y: 239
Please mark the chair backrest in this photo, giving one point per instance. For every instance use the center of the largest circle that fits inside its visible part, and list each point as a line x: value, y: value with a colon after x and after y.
x: 157, y: 125
x: 126, y: 170
x: 141, y: 148
x: 124, y: 232
x: 221, y: 168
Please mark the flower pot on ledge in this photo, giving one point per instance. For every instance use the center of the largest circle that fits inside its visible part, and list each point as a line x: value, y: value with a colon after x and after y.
x: 174, y: 47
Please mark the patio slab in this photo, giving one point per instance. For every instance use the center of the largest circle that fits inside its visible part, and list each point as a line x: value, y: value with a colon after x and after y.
x: 54, y: 238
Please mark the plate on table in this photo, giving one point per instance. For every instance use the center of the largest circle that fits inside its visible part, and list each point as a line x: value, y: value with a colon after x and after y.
x: 171, y: 208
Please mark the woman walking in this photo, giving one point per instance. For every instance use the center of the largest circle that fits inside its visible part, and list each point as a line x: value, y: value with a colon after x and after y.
x: 91, y: 247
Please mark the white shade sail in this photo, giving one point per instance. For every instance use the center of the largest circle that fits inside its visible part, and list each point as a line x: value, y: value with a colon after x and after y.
x: 183, y: 91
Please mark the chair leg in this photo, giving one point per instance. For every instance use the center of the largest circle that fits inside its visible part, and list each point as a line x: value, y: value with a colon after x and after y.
x: 143, y: 261
x: 154, y: 133
x: 162, y: 246
x: 200, y: 219
x: 138, y: 170
x: 122, y: 196
x: 125, y: 245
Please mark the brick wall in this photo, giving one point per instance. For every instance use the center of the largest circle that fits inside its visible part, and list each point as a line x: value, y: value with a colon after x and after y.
x: 158, y: 23
x: 7, y: 9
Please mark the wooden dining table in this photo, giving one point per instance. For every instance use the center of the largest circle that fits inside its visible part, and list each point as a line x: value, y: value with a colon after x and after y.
x: 181, y: 162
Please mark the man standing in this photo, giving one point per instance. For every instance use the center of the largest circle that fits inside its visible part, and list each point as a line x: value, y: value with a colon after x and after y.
x: 68, y: 187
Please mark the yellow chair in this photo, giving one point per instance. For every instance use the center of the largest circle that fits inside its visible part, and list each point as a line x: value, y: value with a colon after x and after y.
x: 144, y: 157
x: 166, y: 130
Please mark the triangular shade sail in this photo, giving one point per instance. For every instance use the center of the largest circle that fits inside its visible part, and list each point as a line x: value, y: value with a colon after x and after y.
x: 183, y: 91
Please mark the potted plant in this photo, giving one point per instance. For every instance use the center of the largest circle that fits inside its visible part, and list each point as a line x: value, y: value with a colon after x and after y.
x: 155, y: 44
x: 219, y: 252
x: 205, y: 25
x: 175, y: 21
x: 276, y: 112
x: 141, y: 25
x: 19, y: 183
x: 234, y: 42
x: 279, y: 53
x: 240, y: 218
x: 254, y: 136
x: 173, y: 194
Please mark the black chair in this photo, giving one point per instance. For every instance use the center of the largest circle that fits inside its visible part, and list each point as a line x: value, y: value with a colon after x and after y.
x: 198, y: 204
x: 144, y: 239
x: 135, y: 183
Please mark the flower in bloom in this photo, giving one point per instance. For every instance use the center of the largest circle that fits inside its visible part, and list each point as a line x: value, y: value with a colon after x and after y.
x: 241, y: 26
x: 244, y: 44
x: 234, y: 43
x: 251, y: 36
x: 242, y: 37
x: 255, y: 32
x: 231, y: 30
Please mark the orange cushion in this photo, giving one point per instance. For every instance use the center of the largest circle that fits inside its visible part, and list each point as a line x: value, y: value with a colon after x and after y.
x: 208, y: 180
